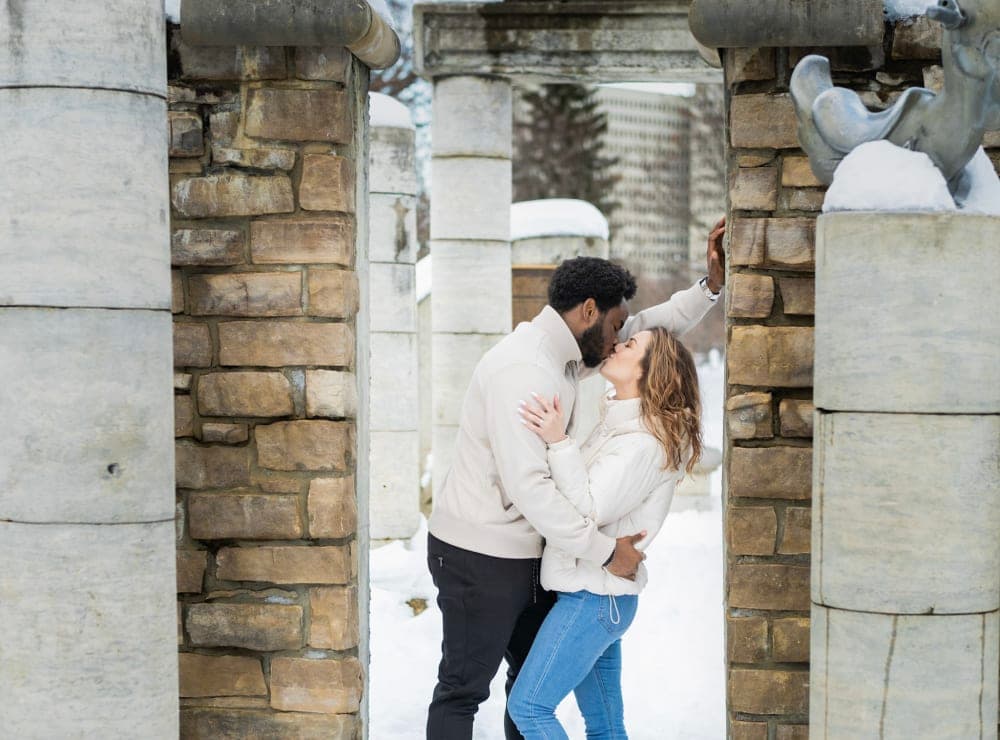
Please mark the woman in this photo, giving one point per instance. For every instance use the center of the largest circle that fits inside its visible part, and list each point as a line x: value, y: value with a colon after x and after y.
x: 623, y: 477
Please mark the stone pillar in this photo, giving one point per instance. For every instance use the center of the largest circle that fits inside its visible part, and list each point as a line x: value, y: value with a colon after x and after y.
x: 394, y: 497
x: 470, y: 240
x: 906, y: 551
x: 86, y: 470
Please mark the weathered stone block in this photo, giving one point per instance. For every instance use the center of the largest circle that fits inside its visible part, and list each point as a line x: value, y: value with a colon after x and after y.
x: 740, y: 730
x: 323, y: 686
x: 211, y: 467
x: 483, y: 264
x: 779, y: 356
x: 334, y: 624
x: 748, y: 415
x: 392, y: 233
x: 243, y: 515
x: 263, y: 627
x: 328, y: 240
x: 327, y: 564
x: 192, y: 345
x: 396, y: 307
x: 798, y: 296
x: 223, y: 127
x: 749, y: 64
x: 750, y: 296
x: 333, y: 511
x: 784, y: 243
x: 322, y: 63
x: 191, y: 566
x: 476, y: 202
x: 754, y: 189
x: 394, y: 493
x: 220, y: 675
x: 802, y: 199
x: 763, y: 122
x: 183, y: 416
x: 790, y: 637
x: 751, y: 530
x: 792, y: 732
x: 746, y: 639
x: 331, y: 393
x: 228, y: 62
x: 394, y: 365
x: 919, y: 38
x: 224, y: 433
x: 768, y: 691
x: 200, y: 723
x: 770, y: 472
x: 260, y: 158
x: 475, y: 116
x: 206, y: 247
x: 769, y: 586
x: 392, y: 166
x: 246, y: 294
x: 244, y: 394
x: 334, y: 293
x: 327, y: 183
x: 185, y: 134
x: 321, y: 114
x: 305, y: 445
x: 176, y: 292
x: 796, y: 417
x: 796, y: 537
x: 905, y: 526
x: 215, y: 196
x: 182, y: 381
x: 796, y: 173
x: 281, y: 343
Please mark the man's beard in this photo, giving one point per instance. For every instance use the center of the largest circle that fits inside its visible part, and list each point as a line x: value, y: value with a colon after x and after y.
x: 591, y: 344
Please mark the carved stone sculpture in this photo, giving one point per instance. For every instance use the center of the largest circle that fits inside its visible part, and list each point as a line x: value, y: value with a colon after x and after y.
x: 948, y: 127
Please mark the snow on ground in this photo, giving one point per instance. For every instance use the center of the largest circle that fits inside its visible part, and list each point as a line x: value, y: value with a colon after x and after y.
x: 556, y: 217
x: 387, y: 112
x: 673, y: 675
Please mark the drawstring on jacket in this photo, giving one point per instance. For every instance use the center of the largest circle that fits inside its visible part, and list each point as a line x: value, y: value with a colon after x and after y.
x: 616, y: 616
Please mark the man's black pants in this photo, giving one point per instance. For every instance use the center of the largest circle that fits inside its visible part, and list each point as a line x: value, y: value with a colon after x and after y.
x: 491, y: 609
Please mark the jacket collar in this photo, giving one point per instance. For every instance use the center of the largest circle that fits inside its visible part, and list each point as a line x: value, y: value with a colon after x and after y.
x: 560, y: 337
x: 621, y: 415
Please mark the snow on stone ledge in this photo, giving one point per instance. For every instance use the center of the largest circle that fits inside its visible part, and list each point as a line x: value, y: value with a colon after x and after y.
x: 556, y: 217
x: 387, y: 112
x: 423, y: 278
x: 172, y: 9
x: 898, y: 9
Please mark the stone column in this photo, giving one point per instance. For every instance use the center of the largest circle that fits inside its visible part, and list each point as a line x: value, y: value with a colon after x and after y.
x: 906, y: 552
x: 470, y: 240
x: 395, y: 465
x: 86, y: 469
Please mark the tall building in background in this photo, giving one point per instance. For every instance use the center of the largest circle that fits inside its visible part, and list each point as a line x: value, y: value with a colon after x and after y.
x: 707, y: 195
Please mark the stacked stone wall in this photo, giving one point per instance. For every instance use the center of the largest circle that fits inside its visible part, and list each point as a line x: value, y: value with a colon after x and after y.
x: 267, y: 152
x: 773, y: 203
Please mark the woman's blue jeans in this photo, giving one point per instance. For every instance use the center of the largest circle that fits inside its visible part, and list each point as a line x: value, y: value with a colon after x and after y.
x: 577, y: 649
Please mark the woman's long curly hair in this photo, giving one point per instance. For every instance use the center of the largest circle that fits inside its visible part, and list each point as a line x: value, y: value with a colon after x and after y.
x: 671, y: 404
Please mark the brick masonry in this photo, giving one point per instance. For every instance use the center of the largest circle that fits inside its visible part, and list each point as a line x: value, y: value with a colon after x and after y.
x: 266, y: 147
x: 773, y: 202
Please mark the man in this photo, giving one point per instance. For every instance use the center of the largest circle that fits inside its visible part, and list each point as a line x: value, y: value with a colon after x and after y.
x: 497, y: 502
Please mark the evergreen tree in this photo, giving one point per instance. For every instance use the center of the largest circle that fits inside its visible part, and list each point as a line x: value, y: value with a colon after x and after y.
x: 558, y: 140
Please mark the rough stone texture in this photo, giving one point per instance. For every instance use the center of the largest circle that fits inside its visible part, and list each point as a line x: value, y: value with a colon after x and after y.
x: 783, y: 243
x: 198, y: 723
x: 768, y: 691
x: 53, y: 143
x: 333, y: 293
x: 227, y: 63
x: 176, y: 292
x: 795, y: 538
x: 251, y: 626
x: 246, y: 294
x: 261, y: 158
x: 192, y: 345
x: 751, y: 530
x: 331, y: 393
x: 334, y: 623
x: 905, y: 525
x: 743, y: 65
x: 750, y: 296
x: 282, y: 343
x: 771, y: 356
x: 790, y: 637
x: 104, y: 591
x: 327, y: 240
x: 754, y: 189
x: 212, y: 431
x: 305, y: 445
x: 802, y: 199
x: 191, y: 566
x: 765, y: 121
x: 748, y: 730
x: 221, y: 675
x: 327, y: 183
x: 327, y: 564
x: 769, y: 586
x: 185, y: 134
x: 748, y: 416
x: 746, y: 639
x: 919, y: 38
x: 478, y: 202
x: 183, y: 416
x: 90, y: 432
x: 874, y: 671
x: 796, y: 417
x: 906, y: 360
x: 392, y: 232
x: 333, y: 511
x: 215, y: 196
x: 206, y: 247
x: 243, y: 515
x: 322, y: 63
x: 211, y: 467
x: 244, y: 394
x: 298, y: 114
x: 796, y: 173
x: 792, y: 732
x: 391, y: 161
x: 770, y: 472
x: 798, y: 296
x: 475, y: 115
x: 323, y: 686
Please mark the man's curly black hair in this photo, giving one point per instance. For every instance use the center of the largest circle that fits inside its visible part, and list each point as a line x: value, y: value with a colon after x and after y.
x: 580, y: 278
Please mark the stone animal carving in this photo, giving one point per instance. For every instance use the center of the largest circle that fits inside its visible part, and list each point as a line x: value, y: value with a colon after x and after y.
x: 948, y: 127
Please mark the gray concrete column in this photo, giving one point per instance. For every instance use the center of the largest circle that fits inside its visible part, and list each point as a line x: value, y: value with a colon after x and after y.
x: 906, y: 516
x: 470, y: 240
x: 393, y: 417
x: 87, y: 583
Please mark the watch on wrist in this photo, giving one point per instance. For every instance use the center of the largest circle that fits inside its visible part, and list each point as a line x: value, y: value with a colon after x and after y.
x: 703, y: 283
